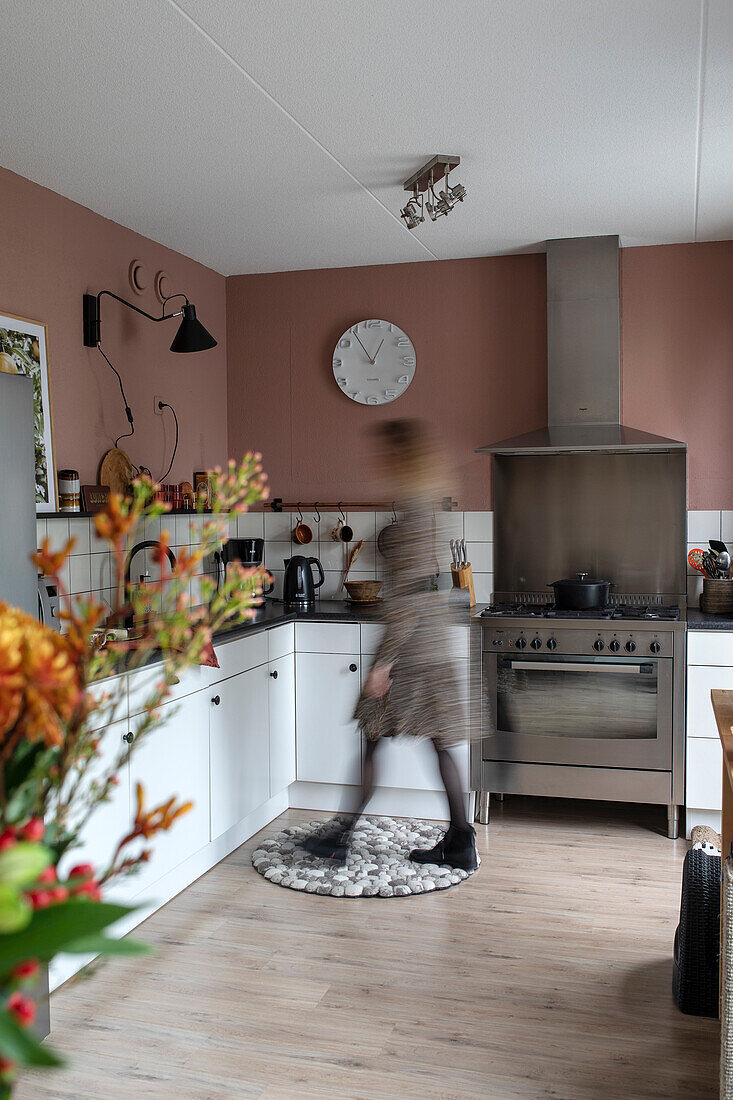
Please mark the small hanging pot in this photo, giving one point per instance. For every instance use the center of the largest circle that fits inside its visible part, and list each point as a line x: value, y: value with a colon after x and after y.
x: 580, y: 593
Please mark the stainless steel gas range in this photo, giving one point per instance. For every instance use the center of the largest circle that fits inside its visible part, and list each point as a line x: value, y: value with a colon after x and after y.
x: 583, y: 704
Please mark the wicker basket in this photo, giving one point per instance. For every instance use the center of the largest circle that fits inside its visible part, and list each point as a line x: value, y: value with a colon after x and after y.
x: 363, y: 591
x: 717, y: 596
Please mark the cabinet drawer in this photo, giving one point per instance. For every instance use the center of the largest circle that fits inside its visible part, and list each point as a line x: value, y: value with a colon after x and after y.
x: 709, y: 647
x: 371, y: 636
x: 143, y: 682
x: 700, y: 682
x: 704, y: 773
x: 238, y: 656
x: 281, y: 641
x: 112, y: 693
x: 327, y: 638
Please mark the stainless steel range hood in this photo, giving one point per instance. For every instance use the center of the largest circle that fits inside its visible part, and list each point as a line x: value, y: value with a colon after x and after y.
x: 583, y: 358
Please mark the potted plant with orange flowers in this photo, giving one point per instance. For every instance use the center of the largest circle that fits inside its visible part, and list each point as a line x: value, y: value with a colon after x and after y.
x: 51, y: 781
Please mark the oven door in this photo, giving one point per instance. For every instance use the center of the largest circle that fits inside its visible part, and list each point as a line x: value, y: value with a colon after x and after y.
x: 601, y: 712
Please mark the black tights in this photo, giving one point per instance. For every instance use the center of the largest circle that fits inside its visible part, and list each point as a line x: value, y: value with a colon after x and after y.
x: 448, y: 773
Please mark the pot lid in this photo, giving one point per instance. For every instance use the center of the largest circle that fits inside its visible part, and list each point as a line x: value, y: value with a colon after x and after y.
x: 580, y: 580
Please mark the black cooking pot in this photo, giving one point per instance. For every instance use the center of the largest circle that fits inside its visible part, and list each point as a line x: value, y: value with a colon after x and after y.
x: 580, y: 593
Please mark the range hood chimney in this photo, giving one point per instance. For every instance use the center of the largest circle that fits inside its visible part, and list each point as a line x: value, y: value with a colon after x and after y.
x: 583, y: 357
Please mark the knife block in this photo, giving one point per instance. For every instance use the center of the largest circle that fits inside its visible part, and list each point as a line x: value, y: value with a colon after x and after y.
x: 463, y: 578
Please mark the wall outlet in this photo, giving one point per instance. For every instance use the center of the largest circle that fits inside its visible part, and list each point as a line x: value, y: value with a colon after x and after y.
x: 156, y: 399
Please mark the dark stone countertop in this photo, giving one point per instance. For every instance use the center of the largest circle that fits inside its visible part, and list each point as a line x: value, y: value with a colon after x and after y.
x: 274, y: 613
x: 701, y: 620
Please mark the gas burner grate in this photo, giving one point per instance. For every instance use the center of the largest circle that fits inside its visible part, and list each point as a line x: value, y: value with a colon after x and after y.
x: 653, y: 611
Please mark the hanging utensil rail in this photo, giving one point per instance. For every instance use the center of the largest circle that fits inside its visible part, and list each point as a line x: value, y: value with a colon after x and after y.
x: 277, y: 504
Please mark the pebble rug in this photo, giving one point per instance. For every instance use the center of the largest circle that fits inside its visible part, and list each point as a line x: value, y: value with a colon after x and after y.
x: 378, y: 863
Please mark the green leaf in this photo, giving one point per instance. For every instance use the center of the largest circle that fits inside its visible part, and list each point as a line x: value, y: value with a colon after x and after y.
x: 105, y: 945
x: 51, y: 929
x: 21, y: 1045
x: 22, y: 864
x: 15, y: 911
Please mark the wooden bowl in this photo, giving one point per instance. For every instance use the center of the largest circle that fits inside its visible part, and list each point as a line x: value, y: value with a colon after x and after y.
x: 363, y: 591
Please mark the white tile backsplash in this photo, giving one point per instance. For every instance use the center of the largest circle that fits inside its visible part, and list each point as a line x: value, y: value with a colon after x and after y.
x: 726, y: 526
x: 478, y: 526
x: 79, y: 531
x: 251, y: 525
x: 57, y: 532
x: 481, y: 556
x: 279, y: 525
x: 702, y: 526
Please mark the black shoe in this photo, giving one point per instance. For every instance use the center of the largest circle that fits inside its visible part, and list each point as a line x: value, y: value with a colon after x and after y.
x: 456, y: 849
x: 333, y: 844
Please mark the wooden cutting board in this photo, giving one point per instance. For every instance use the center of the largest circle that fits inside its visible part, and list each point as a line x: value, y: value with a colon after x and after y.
x: 116, y: 470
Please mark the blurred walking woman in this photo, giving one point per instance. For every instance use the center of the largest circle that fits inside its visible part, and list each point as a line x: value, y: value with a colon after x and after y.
x: 413, y: 688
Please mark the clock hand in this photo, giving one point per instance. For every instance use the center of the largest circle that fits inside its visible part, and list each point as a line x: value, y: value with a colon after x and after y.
x: 376, y: 353
x: 365, y: 351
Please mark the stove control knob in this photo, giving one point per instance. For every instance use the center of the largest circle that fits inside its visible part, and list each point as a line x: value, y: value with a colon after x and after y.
x: 631, y: 646
x: 521, y: 643
x: 615, y: 645
x: 599, y: 644
x: 552, y: 643
x: 536, y: 643
x: 655, y: 647
x: 497, y: 641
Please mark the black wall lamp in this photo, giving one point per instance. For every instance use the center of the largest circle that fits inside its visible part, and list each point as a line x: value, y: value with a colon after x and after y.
x: 191, y: 335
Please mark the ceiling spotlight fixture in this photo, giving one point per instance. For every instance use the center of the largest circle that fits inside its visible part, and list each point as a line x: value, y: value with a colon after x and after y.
x: 422, y: 185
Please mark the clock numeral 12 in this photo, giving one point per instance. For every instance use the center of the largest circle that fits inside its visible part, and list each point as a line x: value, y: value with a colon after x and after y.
x: 373, y: 324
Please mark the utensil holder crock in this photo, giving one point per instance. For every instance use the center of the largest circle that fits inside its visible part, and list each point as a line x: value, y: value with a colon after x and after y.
x: 717, y: 596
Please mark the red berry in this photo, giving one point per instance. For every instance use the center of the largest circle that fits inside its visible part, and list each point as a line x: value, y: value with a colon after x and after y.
x: 82, y: 870
x: 7, y: 839
x: 59, y: 893
x: 26, y: 970
x: 89, y: 890
x: 48, y: 875
x: 39, y: 898
x: 35, y: 829
x: 21, y: 1008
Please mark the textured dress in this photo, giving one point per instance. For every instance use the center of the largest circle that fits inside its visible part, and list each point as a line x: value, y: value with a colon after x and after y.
x: 426, y: 696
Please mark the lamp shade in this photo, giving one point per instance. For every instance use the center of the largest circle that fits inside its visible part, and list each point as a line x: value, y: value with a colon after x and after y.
x: 191, y: 335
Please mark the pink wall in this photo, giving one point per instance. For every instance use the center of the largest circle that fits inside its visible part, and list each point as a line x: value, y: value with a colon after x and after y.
x: 678, y: 356
x: 54, y: 250
x: 479, y: 330
x: 478, y: 327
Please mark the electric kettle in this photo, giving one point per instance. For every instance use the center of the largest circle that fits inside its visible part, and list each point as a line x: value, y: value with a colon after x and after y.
x: 299, y: 587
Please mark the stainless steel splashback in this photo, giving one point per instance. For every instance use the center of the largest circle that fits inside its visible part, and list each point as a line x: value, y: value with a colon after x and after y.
x: 621, y: 517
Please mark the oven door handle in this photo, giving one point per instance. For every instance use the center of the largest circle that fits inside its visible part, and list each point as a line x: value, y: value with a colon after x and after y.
x: 647, y: 668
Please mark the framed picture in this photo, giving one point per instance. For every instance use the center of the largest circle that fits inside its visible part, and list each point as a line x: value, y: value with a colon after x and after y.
x: 24, y: 350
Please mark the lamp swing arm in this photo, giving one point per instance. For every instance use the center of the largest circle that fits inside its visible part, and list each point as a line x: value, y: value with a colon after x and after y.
x: 93, y: 316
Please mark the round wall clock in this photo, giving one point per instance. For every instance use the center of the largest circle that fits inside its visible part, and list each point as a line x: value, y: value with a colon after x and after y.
x: 374, y: 362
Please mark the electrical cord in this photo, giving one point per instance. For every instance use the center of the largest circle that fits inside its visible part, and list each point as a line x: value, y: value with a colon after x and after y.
x: 128, y: 410
x: 165, y: 405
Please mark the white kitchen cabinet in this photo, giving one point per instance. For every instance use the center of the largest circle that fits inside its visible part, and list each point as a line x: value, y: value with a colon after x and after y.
x: 328, y: 739
x: 281, y: 698
x: 110, y: 820
x: 173, y: 760
x: 709, y: 665
x: 239, y: 747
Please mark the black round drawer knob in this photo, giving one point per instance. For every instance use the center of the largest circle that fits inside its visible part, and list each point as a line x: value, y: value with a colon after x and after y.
x: 521, y: 643
x: 536, y: 643
x: 353, y: 668
x: 630, y: 646
x: 129, y: 737
x: 655, y: 647
x: 274, y: 674
x: 598, y: 645
x: 216, y: 699
x: 615, y: 645
x: 552, y: 643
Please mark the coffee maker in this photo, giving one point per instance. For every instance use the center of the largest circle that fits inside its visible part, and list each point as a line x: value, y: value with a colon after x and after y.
x: 250, y: 552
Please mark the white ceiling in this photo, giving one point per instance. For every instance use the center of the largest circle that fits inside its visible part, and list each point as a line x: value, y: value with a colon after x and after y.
x: 269, y: 135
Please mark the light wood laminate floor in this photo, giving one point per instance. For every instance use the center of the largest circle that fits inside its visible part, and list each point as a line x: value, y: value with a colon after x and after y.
x: 548, y: 974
